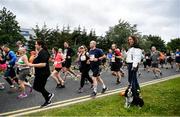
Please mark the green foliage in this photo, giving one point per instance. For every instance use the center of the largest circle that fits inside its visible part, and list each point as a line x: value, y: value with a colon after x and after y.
x: 9, y: 28
x: 157, y: 42
x: 174, y: 44
x: 56, y: 37
x: 119, y: 33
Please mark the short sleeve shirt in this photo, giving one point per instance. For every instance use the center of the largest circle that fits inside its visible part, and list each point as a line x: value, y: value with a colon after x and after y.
x: 43, y: 57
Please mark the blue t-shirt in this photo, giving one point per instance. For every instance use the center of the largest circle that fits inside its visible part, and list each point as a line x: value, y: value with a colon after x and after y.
x: 177, y: 54
x: 109, y: 55
x: 11, y: 57
x: 96, y: 53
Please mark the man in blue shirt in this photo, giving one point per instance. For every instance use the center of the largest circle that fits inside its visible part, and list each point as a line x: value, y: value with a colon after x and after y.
x: 96, y: 56
x: 10, y: 59
x: 177, y: 59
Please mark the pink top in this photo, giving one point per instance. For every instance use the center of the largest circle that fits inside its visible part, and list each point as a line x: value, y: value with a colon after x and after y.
x: 58, y: 61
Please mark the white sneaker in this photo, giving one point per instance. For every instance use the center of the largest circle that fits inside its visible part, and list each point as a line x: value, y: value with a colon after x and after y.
x: 12, y: 86
x: 1, y: 87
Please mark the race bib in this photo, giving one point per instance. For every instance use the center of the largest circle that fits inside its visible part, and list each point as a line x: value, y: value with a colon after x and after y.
x: 113, y: 59
x: 92, y: 57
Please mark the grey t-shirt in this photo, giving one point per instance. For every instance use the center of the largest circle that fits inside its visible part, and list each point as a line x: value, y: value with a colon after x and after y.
x: 154, y: 56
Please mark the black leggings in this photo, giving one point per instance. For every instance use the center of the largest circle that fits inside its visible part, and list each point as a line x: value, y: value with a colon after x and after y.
x: 39, y: 85
x: 132, y: 79
x: 84, y: 76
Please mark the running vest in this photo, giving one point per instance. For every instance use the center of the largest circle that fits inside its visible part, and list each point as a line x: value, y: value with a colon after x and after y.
x: 21, y: 62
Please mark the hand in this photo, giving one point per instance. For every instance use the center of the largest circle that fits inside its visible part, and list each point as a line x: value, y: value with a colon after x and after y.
x: 134, y: 69
x: 95, y: 59
x: 68, y: 57
x: 88, y: 62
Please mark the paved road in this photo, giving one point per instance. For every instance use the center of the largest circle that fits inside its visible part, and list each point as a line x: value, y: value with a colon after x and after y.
x: 9, y: 102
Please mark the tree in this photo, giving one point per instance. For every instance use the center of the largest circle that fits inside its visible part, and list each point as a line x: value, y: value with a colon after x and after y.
x: 9, y: 28
x: 157, y: 42
x: 119, y: 33
x: 174, y: 44
x: 144, y: 43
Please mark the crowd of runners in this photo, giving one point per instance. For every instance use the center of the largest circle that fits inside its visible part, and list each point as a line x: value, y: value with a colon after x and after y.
x: 25, y: 73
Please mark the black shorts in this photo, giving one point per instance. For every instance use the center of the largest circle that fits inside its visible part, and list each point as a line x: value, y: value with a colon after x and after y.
x: 10, y: 72
x: 96, y: 70
x: 154, y: 65
x: 162, y: 61
x: 170, y: 60
x: 177, y: 59
x: 116, y: 66
x: 58, y: 69
x: 148, y: 62
x: 67, y: 63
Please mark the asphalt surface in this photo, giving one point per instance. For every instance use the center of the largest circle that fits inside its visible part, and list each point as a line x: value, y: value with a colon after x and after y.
x: 9, y: 101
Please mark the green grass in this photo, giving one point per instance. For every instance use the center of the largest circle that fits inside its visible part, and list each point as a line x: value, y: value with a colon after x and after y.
x: 160, y: 99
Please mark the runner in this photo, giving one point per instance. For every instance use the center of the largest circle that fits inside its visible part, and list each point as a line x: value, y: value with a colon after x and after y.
x: 177, y: 59
x: 84, y: 67
x: 3, y: 67
x: 96, y: 55
x: 24, y: 70
x: 42, y: 71
x: 116, y: 63
x: 109, y: 58
x: 58, y: 60
x: 68, y: 54
x: 162, y: 59
x: 147, y: 65
x: 170, y: 59
x: 10, y: 59
x: 31, y: 59
x: 155, y: 61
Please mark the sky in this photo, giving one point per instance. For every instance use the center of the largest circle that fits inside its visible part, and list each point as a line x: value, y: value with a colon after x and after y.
x: 156, y: 17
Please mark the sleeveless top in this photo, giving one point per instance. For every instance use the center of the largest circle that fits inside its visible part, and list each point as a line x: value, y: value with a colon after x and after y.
x: 21, y: 62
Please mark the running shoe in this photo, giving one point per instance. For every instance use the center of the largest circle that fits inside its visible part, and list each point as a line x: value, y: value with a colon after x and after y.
x: 1, y: 87
x: 50, y: 97
x: 118, y: 81
x: 80, y: 90
x: 104, y: 90
x: 22, y: 95
x: 93, y: 94
x: 45, y: 104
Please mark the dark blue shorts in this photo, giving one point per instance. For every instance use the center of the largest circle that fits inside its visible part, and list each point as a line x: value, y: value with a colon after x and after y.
x: 10, y: 72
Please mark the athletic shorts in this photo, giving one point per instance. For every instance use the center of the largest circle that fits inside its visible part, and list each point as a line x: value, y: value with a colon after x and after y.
x: 177, y: 59
x: 23, y: 74
x: 67, y: 63
x: 58, y: 69
x: 96, y: 70
x: 170, y: 59
x: 10, y: 72
x: 115, y: 66
x: 154, y: 65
